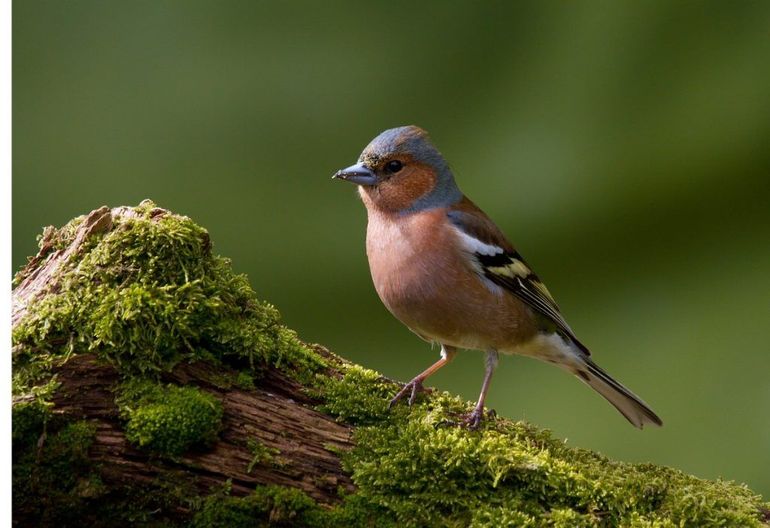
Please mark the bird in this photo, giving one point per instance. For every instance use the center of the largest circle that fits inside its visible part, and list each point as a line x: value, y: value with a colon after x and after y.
x: 445, y: 270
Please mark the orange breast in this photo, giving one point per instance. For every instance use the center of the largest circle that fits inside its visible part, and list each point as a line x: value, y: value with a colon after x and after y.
x: 426, y: 281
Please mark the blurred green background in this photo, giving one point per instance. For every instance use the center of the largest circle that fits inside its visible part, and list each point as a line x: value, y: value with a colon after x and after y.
x: 623, y: 146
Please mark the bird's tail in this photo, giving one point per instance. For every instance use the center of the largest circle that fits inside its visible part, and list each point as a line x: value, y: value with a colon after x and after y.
x: 629, y: 404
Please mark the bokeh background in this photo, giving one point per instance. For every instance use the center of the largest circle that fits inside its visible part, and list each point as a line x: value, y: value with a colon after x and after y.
x: 623, y: 146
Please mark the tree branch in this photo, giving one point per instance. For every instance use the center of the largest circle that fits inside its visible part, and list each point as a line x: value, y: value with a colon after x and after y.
x: 152, y: 387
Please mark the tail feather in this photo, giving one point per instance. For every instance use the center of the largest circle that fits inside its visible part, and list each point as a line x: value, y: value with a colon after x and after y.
x: 629, y: 404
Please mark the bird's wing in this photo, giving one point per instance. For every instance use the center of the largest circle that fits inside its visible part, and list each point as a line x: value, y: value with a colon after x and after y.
x: 500, y: 263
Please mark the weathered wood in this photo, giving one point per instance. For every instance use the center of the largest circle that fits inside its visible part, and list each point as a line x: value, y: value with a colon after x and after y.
x: 276, y: 413
x: 42, y: 273
x: 517, y: 471
x: 41, y: 278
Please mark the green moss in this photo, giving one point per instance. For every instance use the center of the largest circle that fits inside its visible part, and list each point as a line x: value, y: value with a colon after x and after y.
x: 31, y: 413
x: 261, y: 453
x: 52, y: 475
x: 279, y: 506
x: 147, y: 294
x: 244, y: 380
x: 168, y: 420
x: 49, y: 241
x: 266, y: 506
x: 418, y: 468
x: 359, y: 396
x: 425, y: 471
x: 55, y: 483
x: 28, y: 421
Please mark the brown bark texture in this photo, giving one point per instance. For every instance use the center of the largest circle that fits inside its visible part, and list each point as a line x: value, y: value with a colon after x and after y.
x: 278, y: 413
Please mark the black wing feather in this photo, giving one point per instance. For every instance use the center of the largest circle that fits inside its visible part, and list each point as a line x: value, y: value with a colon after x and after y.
x: 510, y: 271
x: 503, y: 265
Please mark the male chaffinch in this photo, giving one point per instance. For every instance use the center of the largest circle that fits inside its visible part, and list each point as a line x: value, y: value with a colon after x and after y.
x: 446, y: 271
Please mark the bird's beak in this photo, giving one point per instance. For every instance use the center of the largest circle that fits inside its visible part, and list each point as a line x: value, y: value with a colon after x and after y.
x: 359, y: 174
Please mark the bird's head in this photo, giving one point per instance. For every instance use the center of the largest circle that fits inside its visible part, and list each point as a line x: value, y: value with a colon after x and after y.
x: 401, y: 171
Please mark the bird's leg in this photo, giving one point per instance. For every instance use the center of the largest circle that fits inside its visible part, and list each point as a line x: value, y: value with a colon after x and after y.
x: 415, y: 386
x: 473, y: 420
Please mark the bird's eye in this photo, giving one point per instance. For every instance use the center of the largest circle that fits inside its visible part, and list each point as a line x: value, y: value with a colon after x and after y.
x: 394, y: 166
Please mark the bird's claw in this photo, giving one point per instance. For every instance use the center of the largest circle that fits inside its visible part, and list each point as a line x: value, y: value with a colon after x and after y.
x: 473, y: 420
x: 413, y: 388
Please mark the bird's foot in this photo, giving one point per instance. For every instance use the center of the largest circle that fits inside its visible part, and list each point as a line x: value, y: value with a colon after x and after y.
x: 473, y: 420
x: 413, y: 388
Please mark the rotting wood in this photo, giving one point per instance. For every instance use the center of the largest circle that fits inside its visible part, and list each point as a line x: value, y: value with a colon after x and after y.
x: 277, y: 413
x: 272, y: 414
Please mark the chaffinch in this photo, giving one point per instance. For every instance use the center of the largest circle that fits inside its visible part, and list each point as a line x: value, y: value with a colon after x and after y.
x: 446, y: 271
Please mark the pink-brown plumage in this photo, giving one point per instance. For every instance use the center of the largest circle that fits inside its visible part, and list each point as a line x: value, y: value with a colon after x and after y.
x: 429, y: 284
x: 444, y: 269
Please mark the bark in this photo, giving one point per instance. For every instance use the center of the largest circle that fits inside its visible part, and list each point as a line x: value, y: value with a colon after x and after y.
x: 515, y: 473
x: 278, y: 414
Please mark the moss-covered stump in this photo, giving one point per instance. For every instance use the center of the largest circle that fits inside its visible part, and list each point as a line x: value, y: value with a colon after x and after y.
x: 152, y: 387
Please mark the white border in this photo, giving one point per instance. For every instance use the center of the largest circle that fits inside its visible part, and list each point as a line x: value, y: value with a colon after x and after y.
x: 5, y: 220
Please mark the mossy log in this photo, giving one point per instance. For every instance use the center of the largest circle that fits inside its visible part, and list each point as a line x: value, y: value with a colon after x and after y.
x: 152, y: 387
